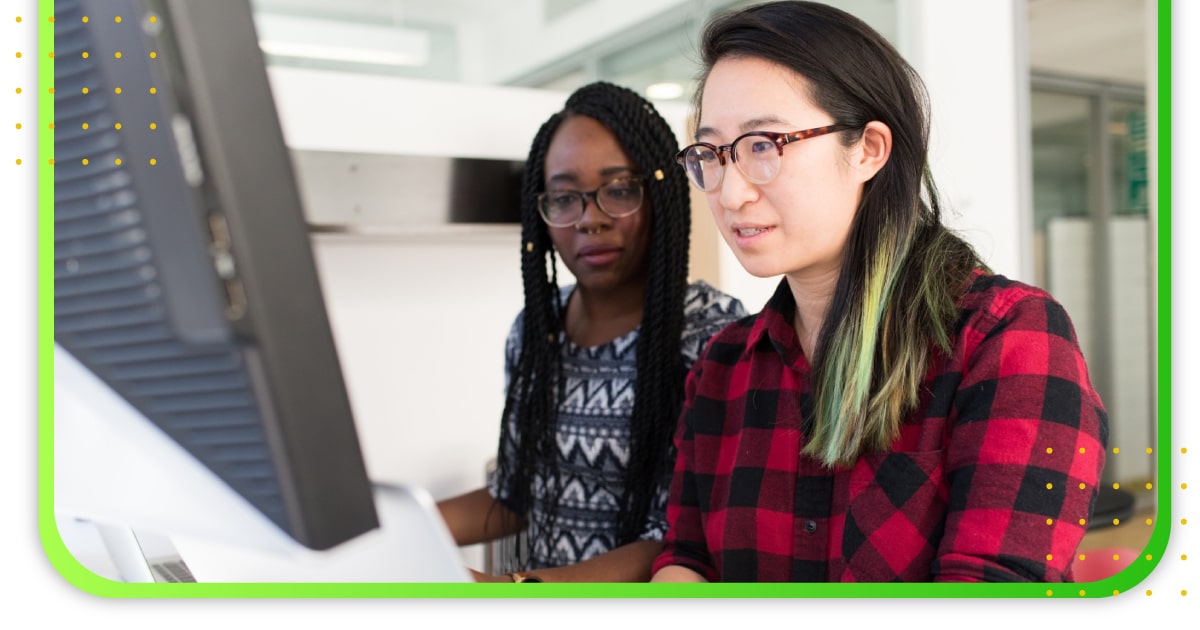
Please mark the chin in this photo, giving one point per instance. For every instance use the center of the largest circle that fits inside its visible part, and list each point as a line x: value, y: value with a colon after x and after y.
x: 758, y: 267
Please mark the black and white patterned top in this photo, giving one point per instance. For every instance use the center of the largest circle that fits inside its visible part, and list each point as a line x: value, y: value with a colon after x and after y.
x: 593, y: 433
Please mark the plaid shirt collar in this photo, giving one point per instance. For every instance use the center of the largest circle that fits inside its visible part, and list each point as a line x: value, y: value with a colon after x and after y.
x: 774, y: 327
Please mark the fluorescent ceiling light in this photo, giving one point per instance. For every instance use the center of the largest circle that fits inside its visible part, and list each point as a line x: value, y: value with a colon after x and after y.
x: 664, y: 91
x: 309, y: 38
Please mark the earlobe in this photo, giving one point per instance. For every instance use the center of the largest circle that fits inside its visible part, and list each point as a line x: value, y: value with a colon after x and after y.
x: 876, y: 148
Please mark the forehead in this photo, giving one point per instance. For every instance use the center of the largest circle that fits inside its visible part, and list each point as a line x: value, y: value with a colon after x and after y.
x: 584, y: 148
x: 747, y: 93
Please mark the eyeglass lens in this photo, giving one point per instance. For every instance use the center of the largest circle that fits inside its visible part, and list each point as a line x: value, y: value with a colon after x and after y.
x: 757, y: 157
x: 617, y: 199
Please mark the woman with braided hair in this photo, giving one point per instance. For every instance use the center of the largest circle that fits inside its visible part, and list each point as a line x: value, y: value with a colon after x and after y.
x: 595, y: 370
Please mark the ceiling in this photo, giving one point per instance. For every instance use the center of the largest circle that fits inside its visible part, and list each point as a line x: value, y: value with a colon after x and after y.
x: 561, y: 43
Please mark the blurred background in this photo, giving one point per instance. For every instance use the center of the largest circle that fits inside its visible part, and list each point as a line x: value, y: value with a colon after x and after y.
x: 408, y: 122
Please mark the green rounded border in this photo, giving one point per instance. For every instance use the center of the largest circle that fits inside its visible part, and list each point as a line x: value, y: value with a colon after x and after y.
x: 85, y: 580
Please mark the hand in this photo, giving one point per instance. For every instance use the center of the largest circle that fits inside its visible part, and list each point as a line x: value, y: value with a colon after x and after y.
x: 484, y: 577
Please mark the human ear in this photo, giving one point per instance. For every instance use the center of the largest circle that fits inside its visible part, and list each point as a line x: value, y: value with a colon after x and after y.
x: 875, y: 147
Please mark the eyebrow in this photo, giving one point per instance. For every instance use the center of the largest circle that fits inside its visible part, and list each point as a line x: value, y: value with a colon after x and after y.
x: 570, y: 177
x: 754, y: 124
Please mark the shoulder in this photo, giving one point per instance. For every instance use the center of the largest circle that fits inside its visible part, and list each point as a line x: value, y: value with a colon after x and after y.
x: 994, y: 303
x: 703, y: 302
x: 706, y: 311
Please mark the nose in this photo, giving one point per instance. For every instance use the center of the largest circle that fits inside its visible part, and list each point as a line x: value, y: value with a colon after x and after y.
x: 594, y: 219
x: 735, y: 191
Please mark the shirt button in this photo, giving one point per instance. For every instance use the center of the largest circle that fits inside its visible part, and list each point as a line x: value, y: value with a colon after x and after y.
x: 810, y: 526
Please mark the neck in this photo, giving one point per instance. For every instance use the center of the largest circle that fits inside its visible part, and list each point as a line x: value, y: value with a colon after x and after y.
x: 595, y: 317
x: 813, y: 294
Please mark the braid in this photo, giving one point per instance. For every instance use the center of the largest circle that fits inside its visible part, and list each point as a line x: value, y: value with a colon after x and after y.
x: 532, y: 396
x: 536, y: 387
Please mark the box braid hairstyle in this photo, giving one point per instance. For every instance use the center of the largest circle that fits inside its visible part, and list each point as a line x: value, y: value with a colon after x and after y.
x: 536, y: 386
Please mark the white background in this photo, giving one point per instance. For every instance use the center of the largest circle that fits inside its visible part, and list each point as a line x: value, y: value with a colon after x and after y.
x: 31, y: 589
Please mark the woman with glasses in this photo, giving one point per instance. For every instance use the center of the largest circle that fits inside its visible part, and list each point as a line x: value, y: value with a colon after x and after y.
x: 595, y: 369
x: 896, y: 412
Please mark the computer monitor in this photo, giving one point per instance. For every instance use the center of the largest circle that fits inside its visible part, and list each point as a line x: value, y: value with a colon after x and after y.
x: 184, y: 282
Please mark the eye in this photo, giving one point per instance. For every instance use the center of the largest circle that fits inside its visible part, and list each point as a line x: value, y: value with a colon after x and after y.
x: 560, y: 199
x: 621, y: 190
x: 702, y: 155
x: 759, y: 146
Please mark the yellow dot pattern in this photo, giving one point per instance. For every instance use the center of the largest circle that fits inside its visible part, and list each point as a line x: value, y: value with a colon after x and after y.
x: 86, y: 90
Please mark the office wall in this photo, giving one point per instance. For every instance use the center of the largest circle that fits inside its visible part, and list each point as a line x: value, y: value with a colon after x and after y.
x: 420, y: 315
x: 416, y: 311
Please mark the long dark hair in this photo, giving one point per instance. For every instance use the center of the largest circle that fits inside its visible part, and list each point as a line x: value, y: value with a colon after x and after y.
x: 896, y: 298
x: 535, y: 387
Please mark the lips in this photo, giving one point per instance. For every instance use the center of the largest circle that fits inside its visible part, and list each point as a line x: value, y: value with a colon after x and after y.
x: 746, y: 233
x: 598, y: 255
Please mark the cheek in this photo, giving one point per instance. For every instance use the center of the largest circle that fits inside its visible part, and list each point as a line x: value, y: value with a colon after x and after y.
x: 639, y: 233
x: 561, y: 238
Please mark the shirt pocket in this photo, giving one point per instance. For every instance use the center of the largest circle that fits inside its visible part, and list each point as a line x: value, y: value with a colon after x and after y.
x: 895, y: 516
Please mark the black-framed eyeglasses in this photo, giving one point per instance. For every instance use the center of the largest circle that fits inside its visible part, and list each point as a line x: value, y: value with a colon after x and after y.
x: 757, y: 155
x: 618, y: 198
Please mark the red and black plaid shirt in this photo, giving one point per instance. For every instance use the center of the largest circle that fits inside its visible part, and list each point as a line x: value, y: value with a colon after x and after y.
x: 993, y: 477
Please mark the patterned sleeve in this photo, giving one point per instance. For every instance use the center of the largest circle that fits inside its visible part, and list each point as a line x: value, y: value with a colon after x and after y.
x: 1025, y: 453
x: 500, y: 487
x: 705, y: 312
